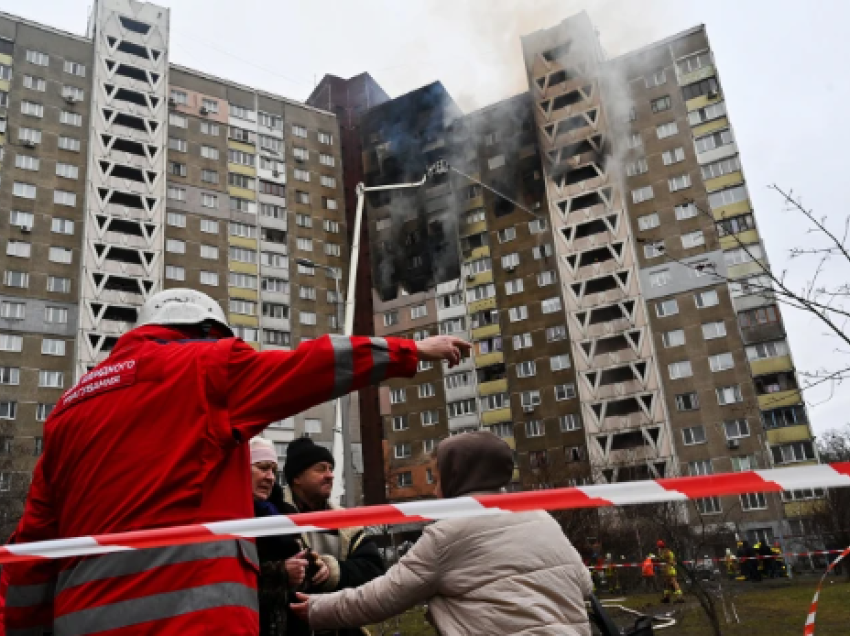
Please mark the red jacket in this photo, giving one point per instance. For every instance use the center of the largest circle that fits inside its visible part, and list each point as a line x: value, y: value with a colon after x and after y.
x: 157, y: 436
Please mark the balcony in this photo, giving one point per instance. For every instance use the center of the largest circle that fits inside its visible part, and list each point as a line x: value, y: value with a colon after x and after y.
x: 487, y: 331
x: 241, y: 241
x: 779, y: 399
x: 478, y: 252
x: 761, y: 333
x: 479, y: 279
x: 113, y: 327
x: 494, y: 386
x: 241, y: 292
x: 697, y: 75
x: 464, y: 421
x: 485, y: 360
x: 496, y: 415
x: 244, y: 321
x: 460, y: 393
x: 771, y: 365
x: 787, y: 434
x: 747, y: 237
x: 481, y: 305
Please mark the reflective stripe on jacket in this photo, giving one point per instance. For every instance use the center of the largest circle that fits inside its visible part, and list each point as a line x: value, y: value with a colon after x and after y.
x: 152, y: 438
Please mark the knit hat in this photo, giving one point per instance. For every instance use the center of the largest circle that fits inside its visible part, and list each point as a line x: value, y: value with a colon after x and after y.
x: 474, y: 462
x: 301, y: 454
x: 262, y: 450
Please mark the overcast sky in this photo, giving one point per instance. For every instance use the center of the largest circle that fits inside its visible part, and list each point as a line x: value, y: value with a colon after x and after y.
x: 782, y: 65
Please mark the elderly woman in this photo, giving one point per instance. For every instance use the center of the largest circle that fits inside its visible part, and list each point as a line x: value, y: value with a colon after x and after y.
x: 500, y: 574
x: 282, y: 564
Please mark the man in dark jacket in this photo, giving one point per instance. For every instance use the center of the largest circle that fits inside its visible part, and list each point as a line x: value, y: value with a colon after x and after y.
x: 347, y: 557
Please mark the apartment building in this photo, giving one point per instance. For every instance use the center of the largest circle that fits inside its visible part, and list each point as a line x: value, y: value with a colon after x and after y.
x: 125, y: 175
x: 683, y: 361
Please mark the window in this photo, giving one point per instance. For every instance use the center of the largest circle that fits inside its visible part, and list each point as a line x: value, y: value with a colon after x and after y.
x: 242, y: 255
x: 700, y: 467
x: 243, y: 307
x: 535, y: 428
x: 661, y: 104
x: 673, y: 338
x: 669, y: 157
x: 713, y: 140
x: 209, y: 278
x: 61, y: 197
x: 721, y: 362
x: 693, y: 239
x: 30, y: 135
x: 708, y: 505
x: 175, y: 193
x: 240, y: 158
x: 667, y: 130
x: 452, y: 326
x: 712, y: 111
x: 8, y: 410
x: 542, y: 251
x: 21, y: 219
x: 18, y: 248
x: 176, y: 219
x: 706, y: 299
x: 401, y: 451
x: 10, y: 342
x: 728, y: 196
x: 522, y: 341
x: 740, y: 464
x: 656, y: 79
x: 516, y: 314
x: 536, y: 226
x: 659, y: 279
x: 679, y: 183
x: 209, y: 200
x: 276, y: 311
x: 793, y: 453
x: 329, y: 204
x: 648, y: 221
x: 766, y: 350
x: 560, y: 362
x: 753, y: 501
x: 176, y: 246
x: 16, y: 279
x: 31, y: 108
x: 175, y: 272
x: 299, y: 131
x: 397, y: 396
x: 209, y: 152
x: 307, y: 270
x: 565, y: 392
x: 12, y: 310
x: 62, y: 255
x: 241, y: 112
x: 307, y: 293
x: 304, y: 244
x: 301, y: 175
x: 326, y: 181
x: 404, y: 480
x: 25, y: 162
x: 687, y: 402
x: 507, y: 234
x: 666, y: 308
x: 178, y: 120
x: 693, y: 435
x: 741, y: 255
x: 707, y: 87
x: 526, y: 369
x: 10, y: 375
x: 635, y: 140
x: 680, y: 370
x: 530, y: 398
x: 736, y: 224
x: 177, y: 169
x: 58, y: 284
x: 42, y: 412
x: 180, y: 145
x: 400, y: 423
x: 51, y: 379
x: 462, y: 407
x: 24, y: 190
x: 720, y: 168
x: 513, y: 287
x: 694, y: 62
x: 35, y: 83
x: 209, y: 129
x: 243, y: 281
x: 736, y: 429
x: 326, y: 160
x: 640, y: 195
x: 551, y: 305
x: 276, y: 338
x: 712, y: 330
x: 729, y: 395
x: 178, y: 97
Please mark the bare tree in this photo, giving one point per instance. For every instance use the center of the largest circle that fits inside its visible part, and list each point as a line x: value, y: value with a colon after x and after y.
x: 16, y: 456
x: 831, y: 515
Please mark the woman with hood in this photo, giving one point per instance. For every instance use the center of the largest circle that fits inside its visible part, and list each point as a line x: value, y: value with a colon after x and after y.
x: 495, y: 574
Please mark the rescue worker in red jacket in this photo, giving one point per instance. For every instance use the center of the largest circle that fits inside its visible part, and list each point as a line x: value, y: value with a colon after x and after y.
x: 156, y: 436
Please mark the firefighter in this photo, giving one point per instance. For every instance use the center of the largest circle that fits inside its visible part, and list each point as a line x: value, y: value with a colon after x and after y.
x: 668, y: 574
x: 612, y: 574
x: 647, y: 572
x: 780, y: 568
x: 731, y: 564
x: 157, y: 436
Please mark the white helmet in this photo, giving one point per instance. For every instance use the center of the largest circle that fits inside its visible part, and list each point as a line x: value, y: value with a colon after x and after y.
x: 181, y: 307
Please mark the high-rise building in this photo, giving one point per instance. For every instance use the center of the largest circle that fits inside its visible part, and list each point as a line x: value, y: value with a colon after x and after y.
x: 350, y: 99
x: 628, y: 330
x: 124, y: 175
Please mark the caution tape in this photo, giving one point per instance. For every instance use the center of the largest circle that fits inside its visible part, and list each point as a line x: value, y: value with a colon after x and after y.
x: 680, y: 489
x: 809, y: 630
x: 733, y: 559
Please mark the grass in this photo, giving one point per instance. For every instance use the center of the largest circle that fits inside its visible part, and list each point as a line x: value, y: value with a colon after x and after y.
x: 770, y: 608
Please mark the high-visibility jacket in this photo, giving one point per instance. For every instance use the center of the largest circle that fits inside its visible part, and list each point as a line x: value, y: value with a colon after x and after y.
x: 157, y: 436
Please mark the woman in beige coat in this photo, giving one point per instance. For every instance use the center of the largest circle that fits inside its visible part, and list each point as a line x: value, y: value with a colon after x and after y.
x: 499, y: 574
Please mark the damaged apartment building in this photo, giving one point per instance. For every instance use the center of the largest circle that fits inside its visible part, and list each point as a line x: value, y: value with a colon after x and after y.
x: 612, y: 286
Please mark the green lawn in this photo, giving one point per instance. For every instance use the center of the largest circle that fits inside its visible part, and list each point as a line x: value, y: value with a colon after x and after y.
x: 771, y: 608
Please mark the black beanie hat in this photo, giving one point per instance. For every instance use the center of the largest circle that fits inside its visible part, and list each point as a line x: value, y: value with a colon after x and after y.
x: 301, y: 454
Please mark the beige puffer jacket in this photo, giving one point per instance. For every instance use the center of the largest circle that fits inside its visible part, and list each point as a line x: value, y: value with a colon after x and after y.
x: 501, y: 574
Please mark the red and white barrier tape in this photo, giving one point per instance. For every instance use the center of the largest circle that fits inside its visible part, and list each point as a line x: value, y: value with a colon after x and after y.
x: 677, y: 489
x: 737, y: 559
x: 809, y: 630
